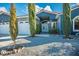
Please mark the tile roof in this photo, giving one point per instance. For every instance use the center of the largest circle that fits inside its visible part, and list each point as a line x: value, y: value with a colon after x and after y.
x: 49, y: 12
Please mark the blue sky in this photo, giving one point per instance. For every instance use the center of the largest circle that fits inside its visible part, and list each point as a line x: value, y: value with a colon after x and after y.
x: 22, y: 9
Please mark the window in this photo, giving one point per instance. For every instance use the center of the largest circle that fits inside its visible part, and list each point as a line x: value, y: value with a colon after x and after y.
x: 21, y: 22
x: 76, y: 24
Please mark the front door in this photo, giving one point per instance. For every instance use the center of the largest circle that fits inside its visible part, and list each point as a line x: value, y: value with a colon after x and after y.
x: 45, y: 27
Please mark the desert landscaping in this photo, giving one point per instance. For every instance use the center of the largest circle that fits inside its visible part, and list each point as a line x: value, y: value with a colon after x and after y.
x: 40, y: 45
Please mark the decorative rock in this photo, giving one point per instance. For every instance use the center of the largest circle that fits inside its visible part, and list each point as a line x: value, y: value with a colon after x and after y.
x: 3, y: 52
x: 23, y: 47
x: 19, y: 50
x: 15, y: 50
x: 67, y: 45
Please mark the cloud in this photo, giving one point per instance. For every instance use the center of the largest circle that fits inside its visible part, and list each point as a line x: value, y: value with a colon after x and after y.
x: 3, y: 9
x: 48, y: 8
x: 38, y: 8
x: 25, y: 11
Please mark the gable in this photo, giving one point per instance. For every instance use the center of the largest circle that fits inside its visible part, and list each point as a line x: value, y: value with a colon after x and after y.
x: 74, y: 13
x: 44, y: 14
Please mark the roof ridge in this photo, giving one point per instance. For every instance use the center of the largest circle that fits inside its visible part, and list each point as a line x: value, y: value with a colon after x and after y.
x: 43, y: 10
x: 4, y: 13
x: 74, y: 8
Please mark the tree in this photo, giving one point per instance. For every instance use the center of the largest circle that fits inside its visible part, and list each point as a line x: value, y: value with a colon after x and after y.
x: 32, y: 19
x: 38, y: 27
x: 66, y: 19
x: 13, y: 23
x: 55, y: 27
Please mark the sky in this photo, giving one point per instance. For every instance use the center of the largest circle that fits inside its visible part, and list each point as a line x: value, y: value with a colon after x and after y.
x: 22, y: 8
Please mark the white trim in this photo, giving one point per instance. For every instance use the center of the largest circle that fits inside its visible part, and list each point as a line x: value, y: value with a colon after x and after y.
x: 44, y: 20
x: 74, y: 23
x: 46, y: 11
x: 22, y: 16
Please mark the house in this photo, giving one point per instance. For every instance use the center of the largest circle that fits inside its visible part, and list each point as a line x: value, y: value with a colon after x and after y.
x: 74, y: 20
x: 23, y: 24
x: 50, y: 22
x: 47, y: 20
x: 44, y: 17
x: 47, y: 17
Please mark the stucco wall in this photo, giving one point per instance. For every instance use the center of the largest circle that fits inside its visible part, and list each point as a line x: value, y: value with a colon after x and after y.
x: 74, y: 13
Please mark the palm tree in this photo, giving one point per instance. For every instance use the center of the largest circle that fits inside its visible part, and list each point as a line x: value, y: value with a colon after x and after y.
x: 13, y: 23
x: 32, y: 20
x: 66, y: 19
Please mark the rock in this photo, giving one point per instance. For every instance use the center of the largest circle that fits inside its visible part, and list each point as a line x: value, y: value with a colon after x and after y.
x: 19, y: 50
x: 23, y: 47
x: 67, y: 45
x: 15, y: 50
x: 3, y: 52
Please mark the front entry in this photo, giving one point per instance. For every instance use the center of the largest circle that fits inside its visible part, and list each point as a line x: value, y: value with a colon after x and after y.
x: 45, y: 28
x: 76, y: 24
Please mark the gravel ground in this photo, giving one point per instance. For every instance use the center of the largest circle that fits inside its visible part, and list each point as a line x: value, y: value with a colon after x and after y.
x: 53, y: 49
x: 44, y: 45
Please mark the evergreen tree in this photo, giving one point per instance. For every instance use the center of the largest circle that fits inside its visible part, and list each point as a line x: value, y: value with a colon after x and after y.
x: 66, y: 19
x: 32, y: 20
x: 13, y: 23
x: 38, y: 28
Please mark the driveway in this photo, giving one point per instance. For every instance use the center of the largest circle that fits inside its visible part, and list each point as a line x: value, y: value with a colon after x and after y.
x: 43, y: 44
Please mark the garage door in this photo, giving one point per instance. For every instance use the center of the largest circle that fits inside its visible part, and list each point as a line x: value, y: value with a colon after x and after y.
x: 4, y: 28
x: 23, y: 27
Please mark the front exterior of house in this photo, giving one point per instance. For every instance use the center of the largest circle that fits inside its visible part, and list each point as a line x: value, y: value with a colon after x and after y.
x: 23, y: 24
x: 50, y: 22
x: 74, y: 21
x: 45, y: 18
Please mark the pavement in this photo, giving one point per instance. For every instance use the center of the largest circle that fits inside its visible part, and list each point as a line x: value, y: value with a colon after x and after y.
x: 42, y: 43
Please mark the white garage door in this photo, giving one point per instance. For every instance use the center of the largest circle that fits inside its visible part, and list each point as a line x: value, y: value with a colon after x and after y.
x: 4, y: 28
x: 23, y: 27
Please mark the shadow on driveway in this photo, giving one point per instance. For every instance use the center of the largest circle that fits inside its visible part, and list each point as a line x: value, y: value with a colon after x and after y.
x: 42, y: 39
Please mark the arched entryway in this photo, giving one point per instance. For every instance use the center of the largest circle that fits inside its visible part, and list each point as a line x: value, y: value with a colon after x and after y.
x: 44, y: 20
x: 76, y: 24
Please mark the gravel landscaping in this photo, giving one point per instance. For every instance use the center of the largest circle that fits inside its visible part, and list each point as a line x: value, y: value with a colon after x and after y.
x: 40, y: 45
